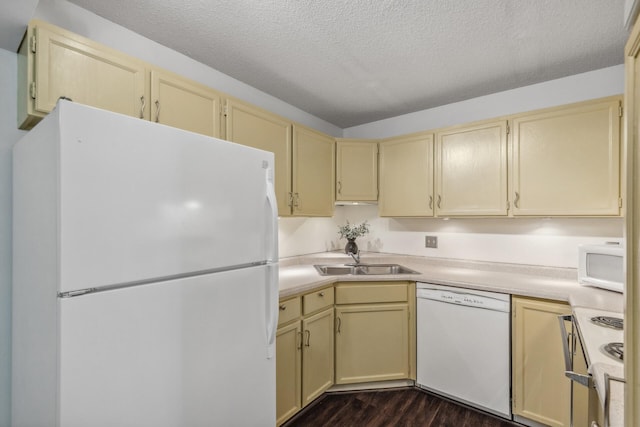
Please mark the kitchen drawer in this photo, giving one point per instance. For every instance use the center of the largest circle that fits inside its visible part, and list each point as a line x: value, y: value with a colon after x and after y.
x: 317, y: 300
x: 289, y: 310
x: 371, y: 292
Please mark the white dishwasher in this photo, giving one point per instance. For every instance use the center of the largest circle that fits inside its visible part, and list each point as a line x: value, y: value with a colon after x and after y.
x: 463, y: 346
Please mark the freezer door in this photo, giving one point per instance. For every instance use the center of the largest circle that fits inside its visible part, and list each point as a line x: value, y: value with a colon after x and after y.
x: 190, y: 352
x: 140, y: 200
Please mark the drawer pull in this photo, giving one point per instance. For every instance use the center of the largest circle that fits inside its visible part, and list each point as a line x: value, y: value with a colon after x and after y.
x: 321, y: 294
x: 283, y: 307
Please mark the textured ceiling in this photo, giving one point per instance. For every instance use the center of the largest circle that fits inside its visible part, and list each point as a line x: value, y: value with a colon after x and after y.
x: 356, y: 61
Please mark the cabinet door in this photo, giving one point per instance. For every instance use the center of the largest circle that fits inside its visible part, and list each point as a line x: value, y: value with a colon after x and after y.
x: 356, y: 170
x: 372, y: 343
x: 471, y: 170
x: 317, y: 355
x: 541, y: 392
x: 74, y: 67
x: 406, y: 176
x: 248, y: 125
x: 184, y: 104
x: 288, y: 372
x: 567, y: 161
x: 313, y: 172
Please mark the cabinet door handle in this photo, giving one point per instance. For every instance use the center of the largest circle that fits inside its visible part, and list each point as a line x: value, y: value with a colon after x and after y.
x: 430, y: 202
x: 283, y: 307
x: 296, y: 199
x: 143, y: 104
x: 516, y: 202
x: 299, y: 346
x: 308, y: 332
x: 439, y: 201
x: 339, y: 187
x: 290, y: 201
x: 157, y: 111
x: 339, y: 324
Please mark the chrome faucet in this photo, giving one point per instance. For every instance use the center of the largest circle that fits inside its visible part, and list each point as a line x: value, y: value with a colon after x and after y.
x: 355, y: 256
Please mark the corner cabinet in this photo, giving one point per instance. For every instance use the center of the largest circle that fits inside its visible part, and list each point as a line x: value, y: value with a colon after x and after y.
x: 566, y: 161
x: 313, y: 172
x: 184, y: 104
x: 304, y: 351
x: 254, y: 127
x: 406, y: 176
x: 471, y: 170
x: 53, y: 63
x: 540, y: 390
x: 356, y: 170
x: 375, y: 331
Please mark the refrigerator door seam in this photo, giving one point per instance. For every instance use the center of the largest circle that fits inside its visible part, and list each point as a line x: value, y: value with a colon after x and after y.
x: 85, y: 291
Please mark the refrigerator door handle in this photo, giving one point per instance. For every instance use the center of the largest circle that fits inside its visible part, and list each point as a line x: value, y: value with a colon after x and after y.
x: 272, y: 226
x: 271, y: 297
x: 271, y: 309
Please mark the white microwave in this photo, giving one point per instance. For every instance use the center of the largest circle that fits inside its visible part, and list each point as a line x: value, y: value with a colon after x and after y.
x: 601, y: 266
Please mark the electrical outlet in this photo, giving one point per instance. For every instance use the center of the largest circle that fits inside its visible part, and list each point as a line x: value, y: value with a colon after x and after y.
x: 431, y: 242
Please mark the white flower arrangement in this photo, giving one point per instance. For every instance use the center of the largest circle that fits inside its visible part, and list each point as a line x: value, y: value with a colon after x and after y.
x: 351, y: 232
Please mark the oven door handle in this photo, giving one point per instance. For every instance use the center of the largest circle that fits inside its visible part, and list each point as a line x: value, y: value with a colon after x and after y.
x: 585, y: 380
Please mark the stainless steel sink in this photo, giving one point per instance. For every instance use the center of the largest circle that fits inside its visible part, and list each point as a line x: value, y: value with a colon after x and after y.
x: 335, y: 270
x: 363, y: 269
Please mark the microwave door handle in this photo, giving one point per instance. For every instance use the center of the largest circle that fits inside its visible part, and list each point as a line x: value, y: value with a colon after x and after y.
x: 585, y: 380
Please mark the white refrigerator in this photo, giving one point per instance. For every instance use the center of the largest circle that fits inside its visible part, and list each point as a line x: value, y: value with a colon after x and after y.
x: 144, y: 276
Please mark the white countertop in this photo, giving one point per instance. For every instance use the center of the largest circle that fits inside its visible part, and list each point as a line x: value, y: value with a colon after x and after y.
x: 298, y: 276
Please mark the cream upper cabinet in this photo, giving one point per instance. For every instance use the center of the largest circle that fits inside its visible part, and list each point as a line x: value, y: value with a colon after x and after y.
x: 184, y: 104
x: 566, y: 161
x: 54, y: 63
x: 406, y: 176
x: 248, y: 125
x: 356, y: 170
x: 541, y: 391
x: 375, y: 339
x: 471, y: 170
x: 313, y: 172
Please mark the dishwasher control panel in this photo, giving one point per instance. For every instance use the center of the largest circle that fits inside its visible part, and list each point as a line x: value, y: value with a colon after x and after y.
x: 468, y: 298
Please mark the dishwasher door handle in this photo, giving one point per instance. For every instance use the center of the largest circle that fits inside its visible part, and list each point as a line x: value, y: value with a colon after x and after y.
x: 585, y: 380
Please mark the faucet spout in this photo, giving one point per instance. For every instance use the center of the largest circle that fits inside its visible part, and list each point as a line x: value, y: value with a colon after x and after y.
x: 355, y: 256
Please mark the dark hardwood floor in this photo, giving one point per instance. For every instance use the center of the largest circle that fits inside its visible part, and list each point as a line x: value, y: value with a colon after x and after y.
x: 397, y: 407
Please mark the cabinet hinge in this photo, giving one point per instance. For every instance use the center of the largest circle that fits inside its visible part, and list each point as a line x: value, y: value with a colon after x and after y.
x: 33, y: 43
x: 508, y: 206
x: 32, y: 90
x: 508, y: 128
x: 620, y: 202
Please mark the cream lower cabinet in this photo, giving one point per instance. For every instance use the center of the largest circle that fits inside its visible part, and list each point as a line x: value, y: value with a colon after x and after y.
x: 566, y: 160
x: 53, y: 62
x: 304, y: 351
x: 375, y: 331
x: 541, y: 392
x: 471, y: 170
x: 185, y: 104
x: 406, y: 176
x: 356, y: 170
